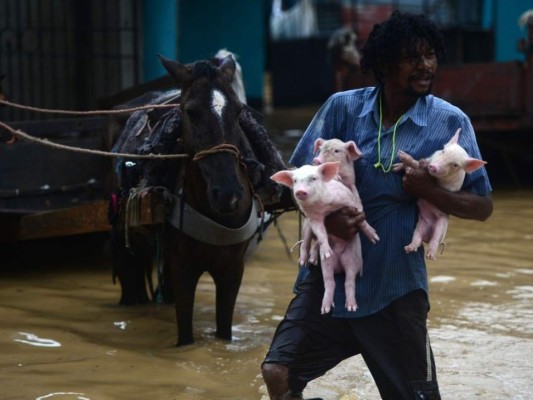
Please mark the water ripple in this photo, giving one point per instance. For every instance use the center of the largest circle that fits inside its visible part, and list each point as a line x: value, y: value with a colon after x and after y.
x: 79, y: 396
x: 35, y: 340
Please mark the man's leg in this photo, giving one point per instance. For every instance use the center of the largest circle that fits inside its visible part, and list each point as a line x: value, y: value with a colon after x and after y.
x: 276, y: 377
x: 395, y: 346
x: 306, y: 344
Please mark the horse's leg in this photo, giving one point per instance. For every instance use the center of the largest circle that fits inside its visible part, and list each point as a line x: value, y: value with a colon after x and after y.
x: 130, y: 268
x: 185, y: 276
x: 166, y: 286
x: 227, y: 280
x: 185, y: 282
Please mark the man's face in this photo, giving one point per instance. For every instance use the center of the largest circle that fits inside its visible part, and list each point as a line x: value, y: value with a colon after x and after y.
x: 415, y: 72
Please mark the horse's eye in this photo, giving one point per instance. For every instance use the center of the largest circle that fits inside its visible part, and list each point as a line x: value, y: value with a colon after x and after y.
x: 238, y: 109
x: 192, y: 112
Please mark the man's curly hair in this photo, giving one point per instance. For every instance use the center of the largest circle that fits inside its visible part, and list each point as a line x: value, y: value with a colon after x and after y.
x: 400, y: 35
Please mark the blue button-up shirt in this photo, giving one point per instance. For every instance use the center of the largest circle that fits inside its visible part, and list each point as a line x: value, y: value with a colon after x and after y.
x: 388, y: 272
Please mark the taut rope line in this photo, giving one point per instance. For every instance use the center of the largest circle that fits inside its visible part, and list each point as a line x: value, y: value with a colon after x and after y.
x: 20, y: 134
x: 95, y: 112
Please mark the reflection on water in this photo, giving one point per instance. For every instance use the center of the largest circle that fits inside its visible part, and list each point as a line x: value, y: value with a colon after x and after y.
x: 63, y: 336
x: 34, y: 340
x: 64, y: 396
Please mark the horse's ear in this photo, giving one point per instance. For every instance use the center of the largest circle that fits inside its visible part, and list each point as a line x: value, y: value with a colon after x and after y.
x: 228, y: 68
x: 180, y: 72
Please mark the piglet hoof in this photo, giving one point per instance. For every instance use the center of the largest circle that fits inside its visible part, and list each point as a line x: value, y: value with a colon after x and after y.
x: 407, y: 160
x: 326, y: 306
x: 351, y: 306
x: 369, y: 232
x: 397, y: 167
x: 302, y: 260
x: 410, y: 248
x: 431, y: 256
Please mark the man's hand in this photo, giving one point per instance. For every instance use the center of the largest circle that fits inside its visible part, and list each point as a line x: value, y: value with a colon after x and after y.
x: 344, y: 222
x: 461, y: 204
x: 417, y: 181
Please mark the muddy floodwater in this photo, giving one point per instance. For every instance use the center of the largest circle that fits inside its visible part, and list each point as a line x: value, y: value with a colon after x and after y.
x: 63, y: 336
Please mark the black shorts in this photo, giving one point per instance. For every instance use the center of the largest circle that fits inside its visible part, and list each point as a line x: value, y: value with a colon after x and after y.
x: 393, y: 343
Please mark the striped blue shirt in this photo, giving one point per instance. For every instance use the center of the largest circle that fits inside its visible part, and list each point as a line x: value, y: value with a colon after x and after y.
x: 388, y: 272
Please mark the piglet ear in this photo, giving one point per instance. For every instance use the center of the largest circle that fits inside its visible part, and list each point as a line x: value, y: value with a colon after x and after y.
x: 318, y: 144
x: 329, y: 170
x: 471, y: 164
x: 455, y: 138
x: 353, y: 150
x: 283, y: 178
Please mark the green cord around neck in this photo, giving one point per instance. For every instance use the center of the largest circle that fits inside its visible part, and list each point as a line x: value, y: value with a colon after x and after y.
x: 379, y: 164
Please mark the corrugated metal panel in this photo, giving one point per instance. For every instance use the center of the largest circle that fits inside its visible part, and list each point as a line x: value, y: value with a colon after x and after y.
x: 65, y: 54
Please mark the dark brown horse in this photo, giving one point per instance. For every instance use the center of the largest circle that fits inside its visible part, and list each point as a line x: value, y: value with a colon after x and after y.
x: 215, y: 213
x: 215, y: 185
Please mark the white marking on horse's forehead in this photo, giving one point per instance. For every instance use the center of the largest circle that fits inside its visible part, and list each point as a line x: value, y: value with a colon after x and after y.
x: 218, y: 102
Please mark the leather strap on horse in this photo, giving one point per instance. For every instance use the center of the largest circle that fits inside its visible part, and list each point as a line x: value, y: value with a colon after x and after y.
x: 199, y: 227
x: 224, y: 147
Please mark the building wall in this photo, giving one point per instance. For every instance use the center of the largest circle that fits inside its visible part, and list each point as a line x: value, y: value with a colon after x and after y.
x: 507, y: 30
x: 160, y: 20
x: 205, y: 26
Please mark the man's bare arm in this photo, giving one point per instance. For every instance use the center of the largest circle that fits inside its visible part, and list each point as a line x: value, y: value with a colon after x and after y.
x: 461, y: 204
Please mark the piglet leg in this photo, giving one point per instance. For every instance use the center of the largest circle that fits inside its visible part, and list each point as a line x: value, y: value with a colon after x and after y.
x: 407, y: 160
x: 328, y: 265
x: 364, y: 226
x: 352, y: 264
x: 416, y: 240
x: 322, y: 238
x: 369, y: 232
x: 441, y: 226
x: 313, y: 253
x: 305, y: 246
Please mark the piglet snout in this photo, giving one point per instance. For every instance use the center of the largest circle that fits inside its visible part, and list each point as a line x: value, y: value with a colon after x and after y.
x: 316, y: 161
x: 301, y: 194
x: 433, y: 169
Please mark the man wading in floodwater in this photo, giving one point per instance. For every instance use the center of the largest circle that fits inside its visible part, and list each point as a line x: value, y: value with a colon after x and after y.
x: 389, y: 328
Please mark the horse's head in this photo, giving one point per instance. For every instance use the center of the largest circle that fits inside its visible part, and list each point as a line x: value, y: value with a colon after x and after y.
x: 210, y: 128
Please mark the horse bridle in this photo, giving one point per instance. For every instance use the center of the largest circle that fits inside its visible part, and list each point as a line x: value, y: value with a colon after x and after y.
x: 208, y: 231
x: 219, y: 148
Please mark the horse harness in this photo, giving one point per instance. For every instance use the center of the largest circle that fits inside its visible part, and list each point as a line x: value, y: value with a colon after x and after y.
x: 196, y: 225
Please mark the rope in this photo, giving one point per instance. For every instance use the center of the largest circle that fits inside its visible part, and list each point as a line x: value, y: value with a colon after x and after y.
x: 32, y: 139
x: 224, y: 147
x: 23, y: 135
x: 95, y: 112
